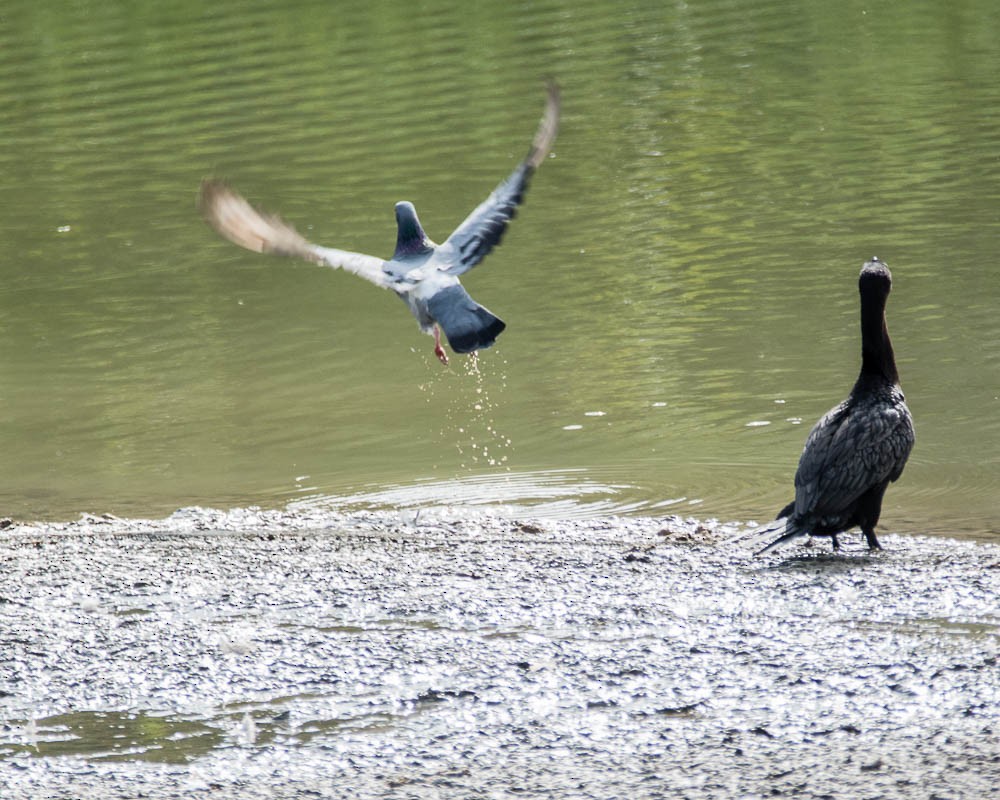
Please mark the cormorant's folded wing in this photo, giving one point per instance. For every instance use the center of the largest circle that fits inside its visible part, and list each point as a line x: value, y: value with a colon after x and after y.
x: 847, y: 453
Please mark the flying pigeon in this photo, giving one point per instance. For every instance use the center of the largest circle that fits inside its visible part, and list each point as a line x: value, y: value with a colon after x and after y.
x: 422, y: 273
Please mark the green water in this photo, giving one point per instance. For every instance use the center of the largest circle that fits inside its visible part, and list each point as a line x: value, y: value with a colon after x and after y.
x: 684, y: 268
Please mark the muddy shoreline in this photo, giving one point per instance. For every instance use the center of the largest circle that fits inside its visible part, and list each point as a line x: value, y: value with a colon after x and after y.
x: 461, y: 653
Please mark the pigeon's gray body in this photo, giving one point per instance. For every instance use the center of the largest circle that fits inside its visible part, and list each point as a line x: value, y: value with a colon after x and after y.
x: 859, y: 447
x: 424, y: 274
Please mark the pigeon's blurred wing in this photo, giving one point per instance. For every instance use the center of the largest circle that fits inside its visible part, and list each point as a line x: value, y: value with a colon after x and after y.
x: 483, y: 229
x: 235, y: 219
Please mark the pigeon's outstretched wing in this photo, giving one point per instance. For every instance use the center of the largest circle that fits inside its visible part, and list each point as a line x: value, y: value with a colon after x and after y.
x: 235, y: 219
x: 483, y: 229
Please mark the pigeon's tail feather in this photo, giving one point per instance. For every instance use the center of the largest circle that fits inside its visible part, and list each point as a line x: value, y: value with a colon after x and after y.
x: 467, y: 325
x: 481, y: 332
x: 785, y: 528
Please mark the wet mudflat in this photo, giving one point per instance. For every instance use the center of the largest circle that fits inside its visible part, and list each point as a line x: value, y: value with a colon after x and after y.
x: 456, y: 654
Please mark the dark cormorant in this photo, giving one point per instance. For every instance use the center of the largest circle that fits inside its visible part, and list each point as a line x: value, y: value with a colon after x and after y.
x: 859, y: 446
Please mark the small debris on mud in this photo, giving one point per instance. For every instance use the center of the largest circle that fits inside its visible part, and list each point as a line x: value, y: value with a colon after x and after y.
x: 529, y: 527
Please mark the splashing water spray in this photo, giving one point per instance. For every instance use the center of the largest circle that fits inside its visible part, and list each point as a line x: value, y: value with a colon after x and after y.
x: 469, y: 422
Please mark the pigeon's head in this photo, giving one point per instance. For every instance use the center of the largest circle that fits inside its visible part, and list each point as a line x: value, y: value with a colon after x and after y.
x: 410, y: 237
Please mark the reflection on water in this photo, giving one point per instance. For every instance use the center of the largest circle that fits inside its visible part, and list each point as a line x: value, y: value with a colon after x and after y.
x: 543, y: 494
x: 682, y: 272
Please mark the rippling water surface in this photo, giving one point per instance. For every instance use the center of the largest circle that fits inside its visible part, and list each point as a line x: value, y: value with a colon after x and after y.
x: 680, y: 287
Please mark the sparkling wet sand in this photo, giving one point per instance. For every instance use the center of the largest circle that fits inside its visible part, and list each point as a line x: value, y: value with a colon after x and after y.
x: 465, y: 655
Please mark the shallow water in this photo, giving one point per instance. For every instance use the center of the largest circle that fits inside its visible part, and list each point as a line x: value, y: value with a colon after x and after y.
x: 684, y: 270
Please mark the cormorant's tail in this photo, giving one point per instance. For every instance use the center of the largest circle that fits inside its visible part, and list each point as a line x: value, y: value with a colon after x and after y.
x: 785, y: 529
x: 467, y: 325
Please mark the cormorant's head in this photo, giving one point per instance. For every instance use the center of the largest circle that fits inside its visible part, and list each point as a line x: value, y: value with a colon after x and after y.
x: 410, y: 237
x: 875, y: 277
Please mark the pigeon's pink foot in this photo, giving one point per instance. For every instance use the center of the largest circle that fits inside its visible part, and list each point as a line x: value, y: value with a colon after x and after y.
x: 438, y: 349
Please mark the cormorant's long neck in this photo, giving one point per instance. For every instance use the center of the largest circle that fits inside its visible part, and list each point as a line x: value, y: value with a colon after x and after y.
x: 877, y: 359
